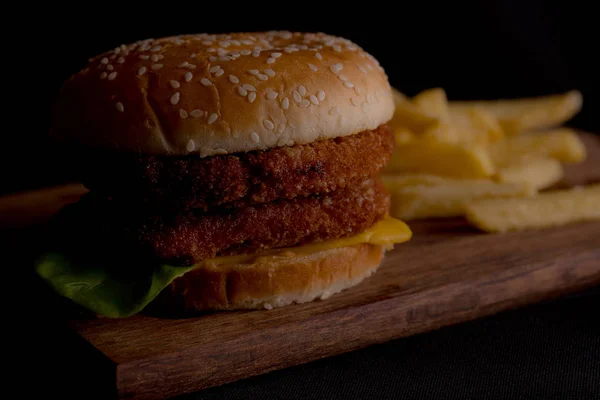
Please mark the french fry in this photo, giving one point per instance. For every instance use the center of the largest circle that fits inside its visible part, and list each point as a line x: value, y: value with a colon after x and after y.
x: 409, y: 116
x: 446, y: 198
x: 545, y: 210
x: 469, y: 125
x: 562, y: 144
x: 538, y: 173
x: 482, y: 125
x: 398, y: 96
x: 443, y: 159
x: 526, y: 114
x: 433, y: 102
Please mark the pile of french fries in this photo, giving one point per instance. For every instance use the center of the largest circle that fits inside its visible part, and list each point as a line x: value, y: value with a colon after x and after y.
x: 493, y: 162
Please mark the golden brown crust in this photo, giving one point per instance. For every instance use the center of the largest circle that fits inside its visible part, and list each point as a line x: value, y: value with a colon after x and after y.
x: 188, y: 182
x: 222, y: 94
x: 269, y: 282
x: 186, y: 238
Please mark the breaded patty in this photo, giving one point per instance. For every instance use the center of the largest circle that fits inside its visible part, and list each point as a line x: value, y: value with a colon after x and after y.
x: 192, y: 236
x: 189, y: 182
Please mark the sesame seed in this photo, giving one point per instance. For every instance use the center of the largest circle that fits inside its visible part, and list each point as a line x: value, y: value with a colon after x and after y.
x: 211, y: 50
x: 334, y: 110
x: 304, y: 103
x: 213, y: 117
x: 377, y: 94
x: 319, y: 56
x: 206, y: 82
x: 221, y: 52
x: 234, y: 79
x: 247, y: 42
x: 174, y: 84
x: 249, y: 87
x: 313, y: 99
x: 336, y: 68
x: 191, y: 66
x: 321, y: 95
x: 157, y: 66
x: 112, y: 75
x: 245, y: 52
x: 337, y: 48
x: 242, y: 91
x: 183, y: 114
x: 219, y: 72
x: 251, y: 97
x: 272, y: 95
x: 255, y: 53
x: 117, y: 50
x: 349, y: 84
x: 255, y: 137
x: 275, y: 55
x: 197, y: 113
x: 207, y: 42
x: 313, y: 67
x: 120, y: 107
x: 269, y: 72
x: 121, y: 60
x: 363, y: 69
x: 281, y: 128
x: 342, y: 77
x: 262, y: 77
x: 224, y: 43
x: 236, y: 42
x: 370, y: 67
x: 144, y: 56
x: 188, y: 76
x: 104, y: 61
x: 175, y: 98
x: 285, y: 103
x: 354, y: 102
x: 302, y: 91
x: 253, y: 72
x: 110, y: 67
x: 268, y: 124
x: 155, y: 57
x: 214, y: 69
x: 296, y: 96
x: 191, y: 146
x: 212, y: 58
x: 369, y: 98
x: 270, y: 60
x: 193, y: 55
x: 141, y: 71
x: 183, y: 64
x: 155, y: 49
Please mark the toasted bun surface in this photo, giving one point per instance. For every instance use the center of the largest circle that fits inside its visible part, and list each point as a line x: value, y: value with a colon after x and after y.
x: 270, y: 282
x: 219, y: 94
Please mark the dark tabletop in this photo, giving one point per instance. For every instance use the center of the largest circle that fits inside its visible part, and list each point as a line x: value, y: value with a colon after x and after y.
x: 549, y: 350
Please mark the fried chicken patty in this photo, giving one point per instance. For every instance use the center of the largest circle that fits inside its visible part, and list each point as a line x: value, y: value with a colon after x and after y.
x: 186, y: 182
x: 192, y: 236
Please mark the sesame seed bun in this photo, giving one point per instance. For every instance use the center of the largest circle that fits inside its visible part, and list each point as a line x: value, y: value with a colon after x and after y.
x: 270, y: 282
x: 221, y: 94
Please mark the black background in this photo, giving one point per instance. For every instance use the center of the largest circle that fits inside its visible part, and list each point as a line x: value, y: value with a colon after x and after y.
x: 475, y: 50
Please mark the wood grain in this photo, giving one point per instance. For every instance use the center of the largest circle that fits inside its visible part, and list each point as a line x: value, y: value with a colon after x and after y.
x: 447, y: 274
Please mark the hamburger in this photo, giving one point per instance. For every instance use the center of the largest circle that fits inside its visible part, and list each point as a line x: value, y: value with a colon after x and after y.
x: 229, y: 171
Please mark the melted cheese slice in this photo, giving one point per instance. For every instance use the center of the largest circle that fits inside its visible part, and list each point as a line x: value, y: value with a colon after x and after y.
x: 386, y: 232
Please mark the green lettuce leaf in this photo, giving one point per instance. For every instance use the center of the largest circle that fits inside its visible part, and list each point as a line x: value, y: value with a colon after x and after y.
x: 103, y: 290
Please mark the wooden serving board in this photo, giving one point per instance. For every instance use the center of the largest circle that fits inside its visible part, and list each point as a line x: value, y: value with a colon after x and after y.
x: 447, y: 273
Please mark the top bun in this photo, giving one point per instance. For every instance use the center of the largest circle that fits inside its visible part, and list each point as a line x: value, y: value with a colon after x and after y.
x: 220, y: 94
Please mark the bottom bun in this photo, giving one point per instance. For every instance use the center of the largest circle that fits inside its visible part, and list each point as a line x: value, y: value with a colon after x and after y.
x: 270, y: 281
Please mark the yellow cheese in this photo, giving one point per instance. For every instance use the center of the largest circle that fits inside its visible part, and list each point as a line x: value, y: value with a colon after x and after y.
x: 386, y: 232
